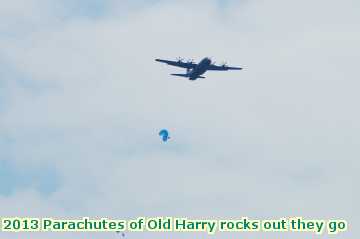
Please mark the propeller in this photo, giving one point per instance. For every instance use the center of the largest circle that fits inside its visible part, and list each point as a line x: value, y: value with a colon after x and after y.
x: 179, y: 59
x: 191, y: 61
x: 224, y: 64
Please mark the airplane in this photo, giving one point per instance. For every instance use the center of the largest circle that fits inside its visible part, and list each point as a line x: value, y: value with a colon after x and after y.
x: 195, y: 71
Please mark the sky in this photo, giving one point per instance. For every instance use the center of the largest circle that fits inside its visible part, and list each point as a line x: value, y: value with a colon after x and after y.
x: 82, y: 101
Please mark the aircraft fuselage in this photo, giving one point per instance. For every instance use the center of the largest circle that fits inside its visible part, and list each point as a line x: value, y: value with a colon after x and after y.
x: 200, y: 69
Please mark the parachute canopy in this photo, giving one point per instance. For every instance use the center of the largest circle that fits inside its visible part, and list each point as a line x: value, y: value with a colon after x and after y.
x: 164, y: 134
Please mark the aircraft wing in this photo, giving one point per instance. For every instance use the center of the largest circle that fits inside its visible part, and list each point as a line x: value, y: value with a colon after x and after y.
x: 213, y: 67
x: 187, y: 65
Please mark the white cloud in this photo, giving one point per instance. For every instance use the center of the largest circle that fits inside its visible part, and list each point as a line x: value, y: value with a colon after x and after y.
x: 277, y: 139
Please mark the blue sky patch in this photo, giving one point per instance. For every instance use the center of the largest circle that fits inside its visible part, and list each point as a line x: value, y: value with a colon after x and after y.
x: 14, y: 178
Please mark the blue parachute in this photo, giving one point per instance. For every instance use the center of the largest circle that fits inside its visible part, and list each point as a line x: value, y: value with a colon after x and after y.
x: 164, y: 134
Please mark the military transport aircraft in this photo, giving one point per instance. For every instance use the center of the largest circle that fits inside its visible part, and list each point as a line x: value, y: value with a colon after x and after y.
x: 195, y: 71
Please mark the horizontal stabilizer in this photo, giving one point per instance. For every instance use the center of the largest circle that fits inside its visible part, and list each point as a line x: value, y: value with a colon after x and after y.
x: 181, y: 75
